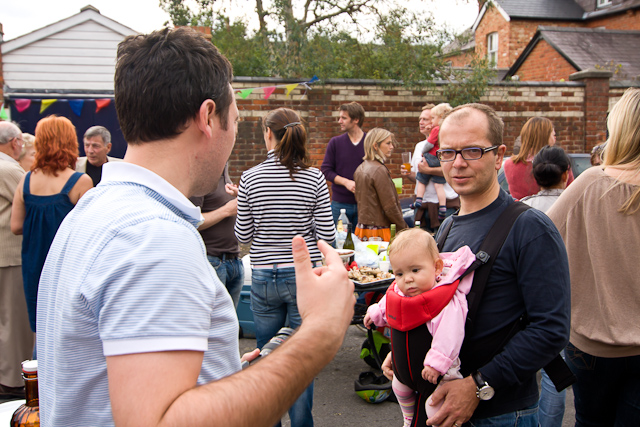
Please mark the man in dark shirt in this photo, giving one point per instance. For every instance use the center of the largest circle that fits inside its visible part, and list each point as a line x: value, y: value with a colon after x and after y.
x: 529, y: 279
x: 97, y: 144
x: 219, y: 210
x: 343, y: 156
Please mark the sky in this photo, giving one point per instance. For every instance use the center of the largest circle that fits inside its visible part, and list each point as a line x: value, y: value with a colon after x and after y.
x: 24, y: 16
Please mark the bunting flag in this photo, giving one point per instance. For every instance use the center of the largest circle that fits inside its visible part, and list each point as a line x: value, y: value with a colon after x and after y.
x: 46, y: 103
x: 101, y: 103
x: 268, y: 91
x: 291, y: 87
x: 22, y: 104
x: 76, y: 106
x: 3, y: 113
x: 245, y: 93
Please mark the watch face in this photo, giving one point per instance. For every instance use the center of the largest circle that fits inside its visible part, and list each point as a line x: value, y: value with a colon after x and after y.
x: 486, y: 393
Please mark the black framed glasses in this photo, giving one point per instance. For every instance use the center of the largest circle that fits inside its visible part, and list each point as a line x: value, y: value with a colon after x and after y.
x: 470, y: 153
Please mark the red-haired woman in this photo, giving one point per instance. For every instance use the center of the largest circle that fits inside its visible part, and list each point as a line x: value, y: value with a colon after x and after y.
x: 44, y: 197
x: 536, y: 133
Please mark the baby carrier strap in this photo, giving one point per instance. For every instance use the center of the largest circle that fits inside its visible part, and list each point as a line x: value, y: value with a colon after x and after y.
x: 557, y: 369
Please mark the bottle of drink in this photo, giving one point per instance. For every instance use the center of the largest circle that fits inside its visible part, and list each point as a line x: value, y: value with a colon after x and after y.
x: 28, y: 415
x: 275, y: 342
x: 348, y: 243
x: 343, y: 221
x: 392, y: 228
x: 417, y: 224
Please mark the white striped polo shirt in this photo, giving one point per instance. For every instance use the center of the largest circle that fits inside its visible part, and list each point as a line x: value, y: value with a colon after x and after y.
x: 127, y: 273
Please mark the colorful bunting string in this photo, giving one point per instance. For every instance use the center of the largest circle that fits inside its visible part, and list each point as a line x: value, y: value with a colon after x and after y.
x: 3, y: 113
x: 268, y: 90
x: 75, y: 104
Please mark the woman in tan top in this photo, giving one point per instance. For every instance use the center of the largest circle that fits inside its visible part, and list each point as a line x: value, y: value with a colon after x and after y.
x: 599, y: 219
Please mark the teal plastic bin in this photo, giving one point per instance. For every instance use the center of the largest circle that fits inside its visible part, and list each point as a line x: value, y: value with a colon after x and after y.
x: 245, y: 316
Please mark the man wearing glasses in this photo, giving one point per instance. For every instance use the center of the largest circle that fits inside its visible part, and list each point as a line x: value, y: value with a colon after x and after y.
x: 16, y: 338
x: 529, y: 280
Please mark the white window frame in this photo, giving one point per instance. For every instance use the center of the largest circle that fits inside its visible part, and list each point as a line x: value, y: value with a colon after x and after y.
x: 602, y: 3
x: 492, y: 48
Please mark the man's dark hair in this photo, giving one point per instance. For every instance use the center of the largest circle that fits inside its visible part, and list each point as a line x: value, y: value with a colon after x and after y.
x: 355, y: 112
x: 163, y: 78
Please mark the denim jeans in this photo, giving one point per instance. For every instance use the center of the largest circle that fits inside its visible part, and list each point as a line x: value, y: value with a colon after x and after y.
x: 273, y: 298
x: 524, y: 418
x: 607, y: 392
x: 231, y: 274
x: 350, y: 210
x: 551, y: 402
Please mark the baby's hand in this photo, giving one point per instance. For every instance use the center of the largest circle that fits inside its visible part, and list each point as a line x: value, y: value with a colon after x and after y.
x: 367, y: 321
x: 430, y: 374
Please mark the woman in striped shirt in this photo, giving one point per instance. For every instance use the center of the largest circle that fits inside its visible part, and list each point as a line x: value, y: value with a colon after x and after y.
x: 278, y: 199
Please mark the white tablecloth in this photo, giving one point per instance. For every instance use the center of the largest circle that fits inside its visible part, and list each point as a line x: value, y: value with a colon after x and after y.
x: 6, y: 411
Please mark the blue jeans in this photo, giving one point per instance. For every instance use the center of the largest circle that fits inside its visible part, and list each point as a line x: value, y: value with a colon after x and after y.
x: 551, y: 402
x: 231, y: 274
x: 273, y: 298
x: 524, y: 418
x: 350, y: 210
x: 607, y: 392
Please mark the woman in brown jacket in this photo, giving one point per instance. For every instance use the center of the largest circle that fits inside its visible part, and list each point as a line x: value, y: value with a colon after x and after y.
x: 378, y: 204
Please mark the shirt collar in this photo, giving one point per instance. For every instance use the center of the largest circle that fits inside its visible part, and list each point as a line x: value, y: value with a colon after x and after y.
x: 7, y: 157
x: 128, y: 172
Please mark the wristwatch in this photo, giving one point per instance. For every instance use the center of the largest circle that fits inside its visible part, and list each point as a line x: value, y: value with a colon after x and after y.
x: 483, y: 390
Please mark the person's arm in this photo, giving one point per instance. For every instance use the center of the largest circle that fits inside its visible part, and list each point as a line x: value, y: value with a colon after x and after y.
x: 244, y: 221
x: 215, y: 216
x: 18, y: 211
x: 83, y: 185
x: 447, y: 329
x: 259, y: 395
x: 347, y: 183
x: 423, y: 167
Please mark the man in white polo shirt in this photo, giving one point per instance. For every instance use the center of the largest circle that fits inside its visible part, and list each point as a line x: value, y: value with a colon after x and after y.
x: 134, y: 327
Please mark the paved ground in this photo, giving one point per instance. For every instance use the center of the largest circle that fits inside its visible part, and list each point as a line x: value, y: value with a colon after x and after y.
x: 335, y: 402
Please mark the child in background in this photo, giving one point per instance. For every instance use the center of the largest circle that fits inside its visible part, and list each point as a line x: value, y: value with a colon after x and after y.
x: 438, y: 112
x: 428, y: 299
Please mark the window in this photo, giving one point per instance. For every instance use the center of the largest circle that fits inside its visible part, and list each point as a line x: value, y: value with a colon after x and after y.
x: 602, y: 3
x: 492, y: 48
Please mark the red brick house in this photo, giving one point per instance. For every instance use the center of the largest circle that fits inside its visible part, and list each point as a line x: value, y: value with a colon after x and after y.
x: 504, y: 29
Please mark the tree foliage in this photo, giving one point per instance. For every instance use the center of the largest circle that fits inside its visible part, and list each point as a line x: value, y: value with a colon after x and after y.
x: 337, y: 39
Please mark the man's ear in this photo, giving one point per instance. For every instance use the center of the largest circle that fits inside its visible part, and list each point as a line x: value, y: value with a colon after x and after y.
x: 206, y: 117
x: 500, y: 155
x: 108, y: 148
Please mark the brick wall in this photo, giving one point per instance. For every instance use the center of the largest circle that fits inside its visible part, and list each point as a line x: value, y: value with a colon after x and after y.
x: 628, y: 20
x: 545, y: 64
x: 397, y: 109
x: 492, y: 22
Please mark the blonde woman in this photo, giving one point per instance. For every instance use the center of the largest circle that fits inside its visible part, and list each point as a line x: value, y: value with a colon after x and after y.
x: 536, y: 133
x: 28, y: 154
x: 598, y: 217
x: 378, y: 204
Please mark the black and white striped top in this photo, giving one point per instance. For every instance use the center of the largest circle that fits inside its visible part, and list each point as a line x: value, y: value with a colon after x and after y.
x: 273, y: 208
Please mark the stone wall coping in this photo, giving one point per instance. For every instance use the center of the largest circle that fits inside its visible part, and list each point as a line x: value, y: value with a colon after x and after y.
x: 591, y: 74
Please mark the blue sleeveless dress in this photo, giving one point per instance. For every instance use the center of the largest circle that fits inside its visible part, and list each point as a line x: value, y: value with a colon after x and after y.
x: 43, y: 216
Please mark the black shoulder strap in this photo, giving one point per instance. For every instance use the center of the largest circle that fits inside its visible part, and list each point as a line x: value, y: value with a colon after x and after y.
x: 487, y: 253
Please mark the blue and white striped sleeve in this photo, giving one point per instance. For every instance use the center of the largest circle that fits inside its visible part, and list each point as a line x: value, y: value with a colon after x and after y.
x: 244, y: 227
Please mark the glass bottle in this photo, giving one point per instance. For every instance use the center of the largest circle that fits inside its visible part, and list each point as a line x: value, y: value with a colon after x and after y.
x: 28, y: 415
x: 392, y: 229
x: 343, y: 221
x: 348, y: 243
x: 417, y: 224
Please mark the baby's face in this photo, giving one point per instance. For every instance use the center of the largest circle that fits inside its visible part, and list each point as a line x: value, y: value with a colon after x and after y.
x: 415, y: 271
